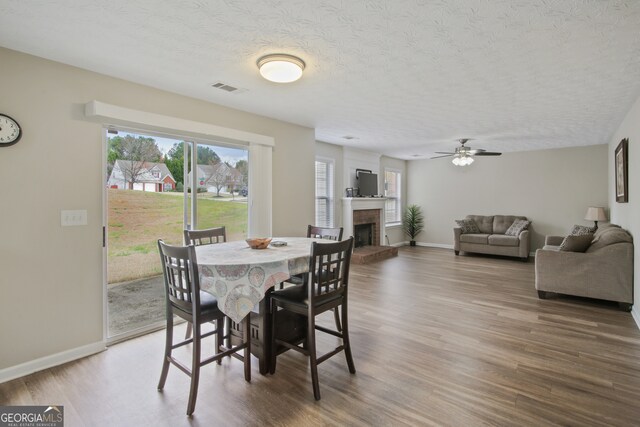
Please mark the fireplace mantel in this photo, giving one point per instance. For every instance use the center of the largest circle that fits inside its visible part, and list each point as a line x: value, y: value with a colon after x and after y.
x: 350, y: 204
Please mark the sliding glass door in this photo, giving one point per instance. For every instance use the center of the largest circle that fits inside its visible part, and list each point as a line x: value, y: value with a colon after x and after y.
x: 152, y: 193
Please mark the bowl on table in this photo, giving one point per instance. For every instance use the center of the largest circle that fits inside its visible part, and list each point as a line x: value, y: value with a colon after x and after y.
x: 259, y: 242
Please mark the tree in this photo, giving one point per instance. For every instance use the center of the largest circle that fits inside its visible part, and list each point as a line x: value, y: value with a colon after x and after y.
x: 206, y: 156
x: 220, y: 175
x: 242, y: 166
x: 175, y: 159
x: 135, y: 152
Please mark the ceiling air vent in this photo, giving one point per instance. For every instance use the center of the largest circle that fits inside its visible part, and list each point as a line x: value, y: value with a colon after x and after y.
x: 225, y: 87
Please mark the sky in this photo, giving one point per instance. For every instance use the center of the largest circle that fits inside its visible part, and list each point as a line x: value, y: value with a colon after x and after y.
x: 230, y: 155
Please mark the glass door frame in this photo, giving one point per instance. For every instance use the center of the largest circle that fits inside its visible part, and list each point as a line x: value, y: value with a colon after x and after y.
x: 190, y: 211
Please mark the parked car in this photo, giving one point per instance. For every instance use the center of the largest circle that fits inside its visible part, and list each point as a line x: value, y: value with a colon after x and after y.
x: 244, y: 192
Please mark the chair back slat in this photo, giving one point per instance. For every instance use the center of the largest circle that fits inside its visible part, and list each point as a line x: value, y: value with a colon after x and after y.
x: 329, y: 270
x: 205, y: 237
x: 181, y: 280
x: 324, y: 232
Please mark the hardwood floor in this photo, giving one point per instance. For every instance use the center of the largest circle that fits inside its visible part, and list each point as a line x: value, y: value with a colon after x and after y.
x: 437, y: 340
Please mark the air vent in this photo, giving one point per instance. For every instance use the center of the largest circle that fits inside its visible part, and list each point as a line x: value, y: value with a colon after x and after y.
x: 225, y: 87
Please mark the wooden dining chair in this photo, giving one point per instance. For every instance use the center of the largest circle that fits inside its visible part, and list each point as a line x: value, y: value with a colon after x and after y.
x: 324, y: 232
x: 185, y: 299
x: 321, y: 233
x: 206, y: 236
x: 325, y: 289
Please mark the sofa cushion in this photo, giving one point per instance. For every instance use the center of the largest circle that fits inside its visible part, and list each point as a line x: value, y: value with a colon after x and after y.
x: 608, y: 237
x: 518, y: 226
x: 467, y: 226
x: 551, y: 248
x: 576, y: 243
x: 602, y: 228
x: 475, y: 238
x: 503, y: 240
x: 501, y: 223
x: 581, y: 230
x: 485, y: 223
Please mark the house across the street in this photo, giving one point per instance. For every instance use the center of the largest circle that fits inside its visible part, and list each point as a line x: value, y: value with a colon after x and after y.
x: 142, y: 176
x: 218, y: 177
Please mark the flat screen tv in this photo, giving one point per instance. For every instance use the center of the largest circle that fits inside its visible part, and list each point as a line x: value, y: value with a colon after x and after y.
x: 368, y: 184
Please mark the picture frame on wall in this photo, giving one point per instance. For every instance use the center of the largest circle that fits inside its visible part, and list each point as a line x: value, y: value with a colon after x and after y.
x: 621, y: 159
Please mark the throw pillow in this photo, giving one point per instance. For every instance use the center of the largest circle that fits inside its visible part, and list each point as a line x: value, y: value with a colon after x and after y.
x: 468, y: 226
x: 579, y: 243
x: 518, y: 226
x: 581, y: 230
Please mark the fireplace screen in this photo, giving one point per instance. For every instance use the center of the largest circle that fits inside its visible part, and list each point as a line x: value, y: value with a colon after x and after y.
x: 363, y: 235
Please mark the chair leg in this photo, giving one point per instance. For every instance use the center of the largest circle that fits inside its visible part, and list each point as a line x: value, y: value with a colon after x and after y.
x: 167, y: 351
x: 219, y: 336
x: 273, y: 345
x: 187, y: 334
x: 195, y: 370
x: 313, y: 362
x: 246, y: 337
x: 336, y: 315
x: 346, y: 341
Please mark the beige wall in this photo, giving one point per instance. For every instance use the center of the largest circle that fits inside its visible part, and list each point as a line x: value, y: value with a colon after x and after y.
x: 553, y: 188
x: 51, y: 280
x: 627, y: 215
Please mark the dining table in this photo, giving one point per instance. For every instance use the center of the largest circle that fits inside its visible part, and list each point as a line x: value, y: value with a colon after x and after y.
x: 241, y: 277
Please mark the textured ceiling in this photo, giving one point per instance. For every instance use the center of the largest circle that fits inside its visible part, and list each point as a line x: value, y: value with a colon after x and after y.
x: 404, y: 77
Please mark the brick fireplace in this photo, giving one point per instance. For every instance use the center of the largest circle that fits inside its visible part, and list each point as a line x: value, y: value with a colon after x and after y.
x: 363, y: 217
x: 364, y: 210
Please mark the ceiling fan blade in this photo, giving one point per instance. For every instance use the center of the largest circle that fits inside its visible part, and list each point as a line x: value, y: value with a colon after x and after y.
x: 487, y: 153
x: 446, y: 155
x: 476, y: 151
x: 444, y: 152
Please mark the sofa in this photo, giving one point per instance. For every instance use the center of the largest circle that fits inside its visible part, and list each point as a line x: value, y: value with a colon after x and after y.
x: 603, y: 271
x: 492, y: 238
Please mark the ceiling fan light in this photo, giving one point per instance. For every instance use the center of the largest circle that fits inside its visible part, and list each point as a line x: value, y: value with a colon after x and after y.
x: 462, y: 160
x: 281, y: 68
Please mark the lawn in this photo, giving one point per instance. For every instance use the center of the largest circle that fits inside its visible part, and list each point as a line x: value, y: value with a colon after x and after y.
x: 138, y: 219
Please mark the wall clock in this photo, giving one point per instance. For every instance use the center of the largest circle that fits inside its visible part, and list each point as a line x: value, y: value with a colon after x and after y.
x: 10, y: 131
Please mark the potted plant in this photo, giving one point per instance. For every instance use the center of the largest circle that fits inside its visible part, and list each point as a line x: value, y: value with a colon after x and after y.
x: 412, y: 222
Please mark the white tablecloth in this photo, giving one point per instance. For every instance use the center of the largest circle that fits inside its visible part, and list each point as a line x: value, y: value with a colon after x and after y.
x: 239, y: 276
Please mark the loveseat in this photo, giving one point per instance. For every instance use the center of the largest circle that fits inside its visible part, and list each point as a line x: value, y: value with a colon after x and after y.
x: 603, y: 271
x: 491, y: 238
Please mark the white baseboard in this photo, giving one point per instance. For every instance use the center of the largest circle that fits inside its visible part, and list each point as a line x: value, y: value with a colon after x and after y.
x: 397, y: 245
x: 434, y: 245
x: 444, y: 246
x: 13, y: 372
x: 635, y: 315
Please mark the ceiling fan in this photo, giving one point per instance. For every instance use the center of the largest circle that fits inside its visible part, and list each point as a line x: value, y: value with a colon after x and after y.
x: 463, y: 155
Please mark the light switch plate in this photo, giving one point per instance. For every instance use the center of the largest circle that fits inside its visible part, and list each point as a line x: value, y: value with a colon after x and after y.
x: 73, y: 218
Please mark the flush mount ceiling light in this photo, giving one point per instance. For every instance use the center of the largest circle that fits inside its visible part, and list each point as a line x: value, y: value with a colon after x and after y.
x: 281, y: 68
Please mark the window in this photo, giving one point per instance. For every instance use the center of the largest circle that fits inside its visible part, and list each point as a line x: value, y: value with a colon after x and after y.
x: 324, y: 192
x: 392, y: 191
